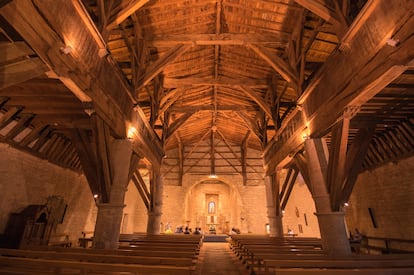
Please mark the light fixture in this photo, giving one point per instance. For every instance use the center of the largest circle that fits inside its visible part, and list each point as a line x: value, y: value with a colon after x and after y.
x: 132, y: 131
x: 66, y: 49
x: 392, y: 42
x: 95, y: 196
x: 213, y: 176
x: 346, y: 204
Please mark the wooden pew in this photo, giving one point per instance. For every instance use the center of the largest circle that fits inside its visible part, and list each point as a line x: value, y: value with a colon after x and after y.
x: 337, y: 263
x: 17, y: 265
x: 104, y: 258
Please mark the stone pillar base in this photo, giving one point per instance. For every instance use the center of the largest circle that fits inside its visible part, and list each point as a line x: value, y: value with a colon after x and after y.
x: 107, y: 226
x: 154, y: 223
x: 276, y: 226
x: 333, y: 233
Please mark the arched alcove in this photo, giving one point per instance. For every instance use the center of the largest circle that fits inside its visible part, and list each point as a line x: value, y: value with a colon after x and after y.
x: 213, y: 205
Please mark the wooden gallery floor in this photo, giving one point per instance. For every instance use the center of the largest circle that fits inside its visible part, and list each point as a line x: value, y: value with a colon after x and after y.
x: 217, y: 258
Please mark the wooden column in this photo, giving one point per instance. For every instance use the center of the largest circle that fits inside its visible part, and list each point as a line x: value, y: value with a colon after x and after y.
x: 155, y: 209
x: 108, y: 221
x: 273, y: 205
x: 331, y: 224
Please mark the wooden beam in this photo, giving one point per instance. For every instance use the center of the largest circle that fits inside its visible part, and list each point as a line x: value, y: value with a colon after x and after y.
x: 102, y: 140
x: 100, y: 82
x: 222, y: 39
x: 86, y: 156
x: 22, y: 124
x: 159, y: 65
x: 9, y: 116
x: 277, y: 63
x: 290, y: 185
x: 125, y: 12
x: 176, y: 125
x: 327, y: 13
x: 142, y: 189
x: 12, y: 51
x: 361, y: 75
x: 220, y: 81
x: 337, y: 157
x: 354, y: 161
x: 20, y: 71
x: 251, y: 125
x: 259, y: 101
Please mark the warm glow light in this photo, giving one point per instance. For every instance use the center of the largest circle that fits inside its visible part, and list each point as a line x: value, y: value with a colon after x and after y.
x: 131, y: 132
x: 346, y: 204
x: 95, y: 196
x: 213, y: 176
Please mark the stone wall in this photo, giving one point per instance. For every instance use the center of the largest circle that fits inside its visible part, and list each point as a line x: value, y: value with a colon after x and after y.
x: 389, y: 192
x: 299, y: 212
x: 26, y: 180
x: 244, y: 206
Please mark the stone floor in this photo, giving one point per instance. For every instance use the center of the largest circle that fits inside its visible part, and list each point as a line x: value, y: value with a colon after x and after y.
x: 217, y: 258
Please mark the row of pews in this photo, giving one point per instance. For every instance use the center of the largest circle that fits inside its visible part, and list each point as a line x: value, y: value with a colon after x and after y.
x: 137, y: 254
x: 305, y: 256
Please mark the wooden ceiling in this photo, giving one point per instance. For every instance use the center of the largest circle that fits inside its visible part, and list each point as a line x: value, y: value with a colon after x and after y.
x: 202, y: 73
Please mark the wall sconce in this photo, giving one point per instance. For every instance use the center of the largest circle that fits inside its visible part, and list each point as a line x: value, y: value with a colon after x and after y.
x: 66, y: 49
x: 392, y: 42
x: 132, y: 131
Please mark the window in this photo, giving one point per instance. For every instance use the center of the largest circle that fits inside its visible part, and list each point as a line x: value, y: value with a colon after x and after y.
x: 211, y: 207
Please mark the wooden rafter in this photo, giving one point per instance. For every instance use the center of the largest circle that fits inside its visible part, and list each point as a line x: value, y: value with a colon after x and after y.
x: 125, y: 11
x: 159, y: 65
x: 142, y: 188
x: 218, y: 81
x: 259, y: 101
x: 354, y: 160
x: 277, y: 63
x: 253, y: 127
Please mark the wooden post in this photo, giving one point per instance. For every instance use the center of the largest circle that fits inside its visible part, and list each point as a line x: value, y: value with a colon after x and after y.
x: 331, y: 224
x: 273, y: 205
x: 108, y: 221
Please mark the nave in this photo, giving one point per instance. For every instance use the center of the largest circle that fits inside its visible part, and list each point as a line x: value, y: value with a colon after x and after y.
x: 243, y: 254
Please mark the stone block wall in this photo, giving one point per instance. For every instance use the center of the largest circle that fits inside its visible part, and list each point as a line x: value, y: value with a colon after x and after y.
x: 247, y: 203
x: 299, y: 212
x: 388, y: 193
x: 26, y: 180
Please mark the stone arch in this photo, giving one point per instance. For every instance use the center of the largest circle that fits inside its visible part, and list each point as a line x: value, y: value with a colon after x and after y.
x: 227, y: 203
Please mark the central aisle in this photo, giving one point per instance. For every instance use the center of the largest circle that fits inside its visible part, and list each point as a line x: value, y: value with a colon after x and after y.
x: 217, y: 258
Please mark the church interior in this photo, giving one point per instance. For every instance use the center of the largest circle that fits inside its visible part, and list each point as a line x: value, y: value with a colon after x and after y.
x: 135, y: 135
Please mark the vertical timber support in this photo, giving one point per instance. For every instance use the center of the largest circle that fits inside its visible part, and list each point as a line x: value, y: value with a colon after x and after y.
x: 109, y: 218
x: 155, y: 209
x: 274, y: 212
x: 331, y: 224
